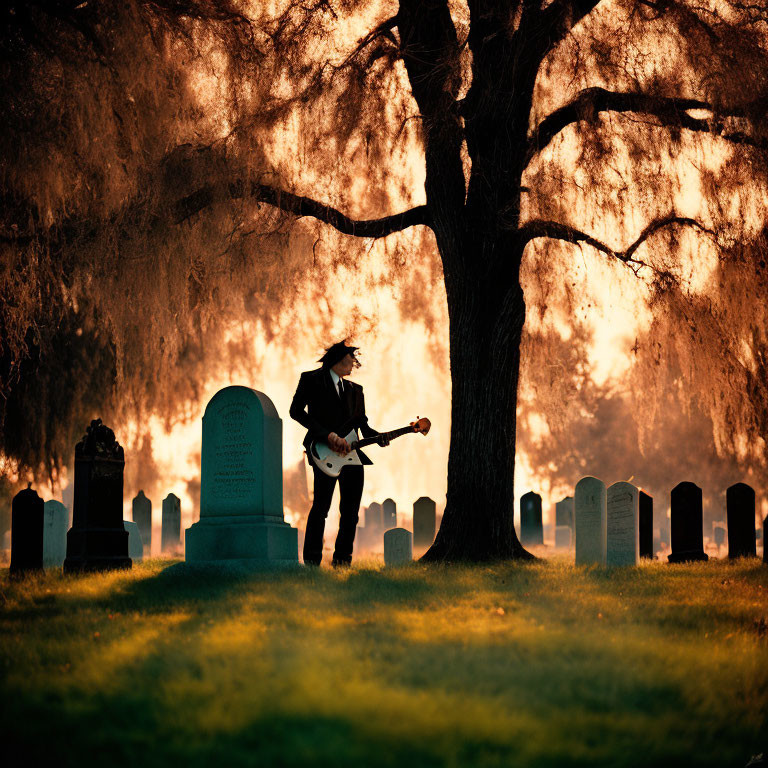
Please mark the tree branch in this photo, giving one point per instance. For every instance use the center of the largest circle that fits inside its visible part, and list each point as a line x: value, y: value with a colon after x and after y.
x: 670, y: 111
x: 555, y: 230
x: 382, y: 30
x: 299, y: 206
x: 560, y: 17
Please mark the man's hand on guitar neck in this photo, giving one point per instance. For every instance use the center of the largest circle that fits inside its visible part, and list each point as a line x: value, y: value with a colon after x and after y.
x: 339, y: 444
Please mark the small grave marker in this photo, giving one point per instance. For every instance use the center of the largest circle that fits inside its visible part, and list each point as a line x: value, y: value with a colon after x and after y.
x: 531, y: 528
x: 170, y: 538
x: 56, y: 522
x: 424, y: 517
x: 398, y: 547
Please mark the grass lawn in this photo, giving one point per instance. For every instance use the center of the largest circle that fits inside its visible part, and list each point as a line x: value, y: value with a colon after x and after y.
x: 540, y: 664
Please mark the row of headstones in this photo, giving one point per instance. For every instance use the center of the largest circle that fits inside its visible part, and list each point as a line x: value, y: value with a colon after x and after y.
x: 170, y: 535
x: 39, y: 530
x: 604, y: 517
x: 383, y: 517
x: 611, y: 529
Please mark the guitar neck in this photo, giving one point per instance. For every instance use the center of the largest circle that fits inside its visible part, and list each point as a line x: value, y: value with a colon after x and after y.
x: 389, y: 435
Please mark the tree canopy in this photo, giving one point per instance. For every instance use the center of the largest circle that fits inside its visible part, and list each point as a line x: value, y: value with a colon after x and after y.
x: 171, y: 166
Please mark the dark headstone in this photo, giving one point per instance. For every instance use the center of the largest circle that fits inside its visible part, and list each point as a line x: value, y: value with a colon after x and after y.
x: 719, y: 535
x: 564, y: 512
x: 424, y: 515
x: 170, y: 538
x: 740, y: 506
x: 5, y: 519
x: 27, y: 514
x: 687, y: 524
x: 646, y: 525
x: 97, y: 539
x: 141, y: 508
x: 389, y: 514
x: 373, y: 518
x: 765, y: 539
x: 531, y: 528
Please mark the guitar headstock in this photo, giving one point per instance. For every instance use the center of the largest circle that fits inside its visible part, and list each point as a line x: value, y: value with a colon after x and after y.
x: 421, y: 425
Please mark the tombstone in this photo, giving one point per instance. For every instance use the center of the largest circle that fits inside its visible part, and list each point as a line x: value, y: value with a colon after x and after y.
x: 589, y: 506
x: 389, y: 514
x: 531, y: 529
x: 687, y: 524
x: 5, y: 519
x: 170, y: 538
x: 398, y: 547
x: 719, y: 534
x: 55, y: 524
x: 241, y: 492
x: 765, y: 539
x: 563, y: 536
x: 424, y: 516
x: 68, y: 497
x: 27, y: 516
x: 564, y: 513
x: 740, y: 513
x: 142, y: 516
x: 646, y: 526
x: 373, y: 518
x: 97, y: 539
x: 622, y: 525
x: 135, y: 547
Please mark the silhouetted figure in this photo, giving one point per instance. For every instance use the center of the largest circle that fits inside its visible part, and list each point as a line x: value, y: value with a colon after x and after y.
x: 330, y: 407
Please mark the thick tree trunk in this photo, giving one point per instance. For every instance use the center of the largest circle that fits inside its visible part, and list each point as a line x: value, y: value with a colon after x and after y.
x: 486, y: 315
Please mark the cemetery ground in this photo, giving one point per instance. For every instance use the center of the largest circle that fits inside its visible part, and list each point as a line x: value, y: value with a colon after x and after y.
x: 532, y: 664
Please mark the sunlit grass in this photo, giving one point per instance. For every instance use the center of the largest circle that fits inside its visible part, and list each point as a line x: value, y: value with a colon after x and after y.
x: 511, y: 665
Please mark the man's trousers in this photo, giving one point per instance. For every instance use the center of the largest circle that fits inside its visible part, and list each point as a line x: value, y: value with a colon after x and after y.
x: 351, y: 489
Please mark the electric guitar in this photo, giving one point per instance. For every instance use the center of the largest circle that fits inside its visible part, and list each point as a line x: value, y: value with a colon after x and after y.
x: 331, y: 462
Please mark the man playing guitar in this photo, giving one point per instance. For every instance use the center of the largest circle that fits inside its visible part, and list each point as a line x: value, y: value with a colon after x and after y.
x: 329, y: 406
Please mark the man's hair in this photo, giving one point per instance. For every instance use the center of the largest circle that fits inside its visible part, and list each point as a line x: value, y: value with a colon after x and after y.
x: 337, y: 352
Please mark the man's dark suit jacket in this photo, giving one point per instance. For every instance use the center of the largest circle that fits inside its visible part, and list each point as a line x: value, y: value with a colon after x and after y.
x: 318, y: 407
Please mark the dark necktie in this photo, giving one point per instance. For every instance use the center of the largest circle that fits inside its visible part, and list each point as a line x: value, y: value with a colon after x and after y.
x: 341, y: 390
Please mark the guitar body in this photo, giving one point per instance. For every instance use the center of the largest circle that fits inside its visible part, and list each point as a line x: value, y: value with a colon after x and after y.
x: 329, y: 461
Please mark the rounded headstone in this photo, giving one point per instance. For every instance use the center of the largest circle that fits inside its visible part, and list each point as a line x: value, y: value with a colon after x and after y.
x: 170, y: 538
x: 740, y: 506
x: 142, y: 516
x: 424, y: 519
x: 241, y: 492
x: 135, y: 546
x: 646, y: 525
x: 622, y: 525
x: 389, y: 514
x: 55, y: 534
x: 531, y: 524
x: 27, y: 523
x: 398, y: 547
x: 564, y: 512
x: 373, y: 517
x: 687, y: 532
x: 589, y: 501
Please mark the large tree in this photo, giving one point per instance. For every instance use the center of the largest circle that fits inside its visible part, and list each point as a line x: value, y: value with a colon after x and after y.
x: 573, y: 121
